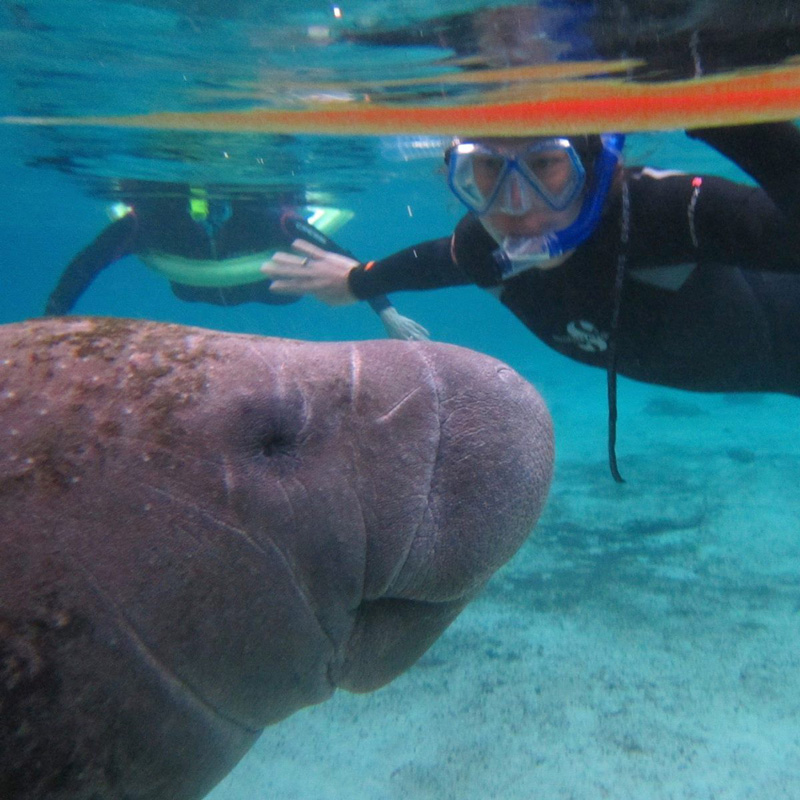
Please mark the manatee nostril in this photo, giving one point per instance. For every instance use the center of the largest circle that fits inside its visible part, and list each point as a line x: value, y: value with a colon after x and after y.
x: 275, y: 443
x: 269, y: 426
x: 266, y: 435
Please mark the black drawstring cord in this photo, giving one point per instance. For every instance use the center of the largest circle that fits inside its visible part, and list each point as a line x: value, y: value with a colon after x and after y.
x: 611, y: 369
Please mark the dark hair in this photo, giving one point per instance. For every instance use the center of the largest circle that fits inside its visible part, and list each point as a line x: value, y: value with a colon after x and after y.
x: 588, y: 147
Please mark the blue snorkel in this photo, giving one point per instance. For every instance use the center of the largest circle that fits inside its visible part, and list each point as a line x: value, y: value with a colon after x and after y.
x: 519, y: 253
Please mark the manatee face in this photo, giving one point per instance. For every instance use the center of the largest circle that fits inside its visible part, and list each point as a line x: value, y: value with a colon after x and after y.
x: 201, y: 533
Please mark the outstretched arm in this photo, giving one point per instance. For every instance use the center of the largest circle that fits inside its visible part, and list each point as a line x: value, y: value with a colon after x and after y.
x: 325, y: 275
x: 112, y: 244
x: 318, y: 248
x: 336, y: 279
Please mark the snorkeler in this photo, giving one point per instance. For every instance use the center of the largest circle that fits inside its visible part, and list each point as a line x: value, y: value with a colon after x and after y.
x: 688, y: 281
x: 210, y: 249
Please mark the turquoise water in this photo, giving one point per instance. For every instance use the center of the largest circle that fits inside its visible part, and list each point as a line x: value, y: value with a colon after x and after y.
x: 48, y: 216
x: 643, y: 644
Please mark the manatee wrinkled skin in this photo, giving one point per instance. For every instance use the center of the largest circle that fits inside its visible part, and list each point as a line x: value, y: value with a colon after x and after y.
x: 201, y: 533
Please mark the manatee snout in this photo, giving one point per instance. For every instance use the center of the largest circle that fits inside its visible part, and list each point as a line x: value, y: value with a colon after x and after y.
x: 492, y: 469
x: 201, y: 533
x: 468, y: 469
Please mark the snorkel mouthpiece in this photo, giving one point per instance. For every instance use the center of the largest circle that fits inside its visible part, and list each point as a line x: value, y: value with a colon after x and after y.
x: 519, y: 253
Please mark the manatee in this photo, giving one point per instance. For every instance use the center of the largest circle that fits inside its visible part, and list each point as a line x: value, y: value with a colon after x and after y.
x: 203, y: 532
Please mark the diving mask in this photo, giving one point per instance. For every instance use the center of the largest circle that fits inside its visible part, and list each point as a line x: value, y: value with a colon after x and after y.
x: 546, y: 175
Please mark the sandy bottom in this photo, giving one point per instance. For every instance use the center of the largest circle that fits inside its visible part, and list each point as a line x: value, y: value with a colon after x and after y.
x: 644, y: 643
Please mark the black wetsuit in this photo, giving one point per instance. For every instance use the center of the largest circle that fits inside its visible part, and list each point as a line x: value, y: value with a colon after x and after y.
x: 163, y: 225
x: 709, y: 284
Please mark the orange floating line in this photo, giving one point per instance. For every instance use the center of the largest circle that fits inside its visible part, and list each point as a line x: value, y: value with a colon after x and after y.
x: 540, y: 72
x: 576, y: 107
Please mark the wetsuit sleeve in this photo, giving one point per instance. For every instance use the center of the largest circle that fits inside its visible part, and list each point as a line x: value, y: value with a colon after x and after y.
x: 116, y: 241
x: 428, y: 265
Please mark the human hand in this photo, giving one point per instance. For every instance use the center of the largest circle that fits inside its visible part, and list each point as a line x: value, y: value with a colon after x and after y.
x: 400, y: 327
x: 317, y: 272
